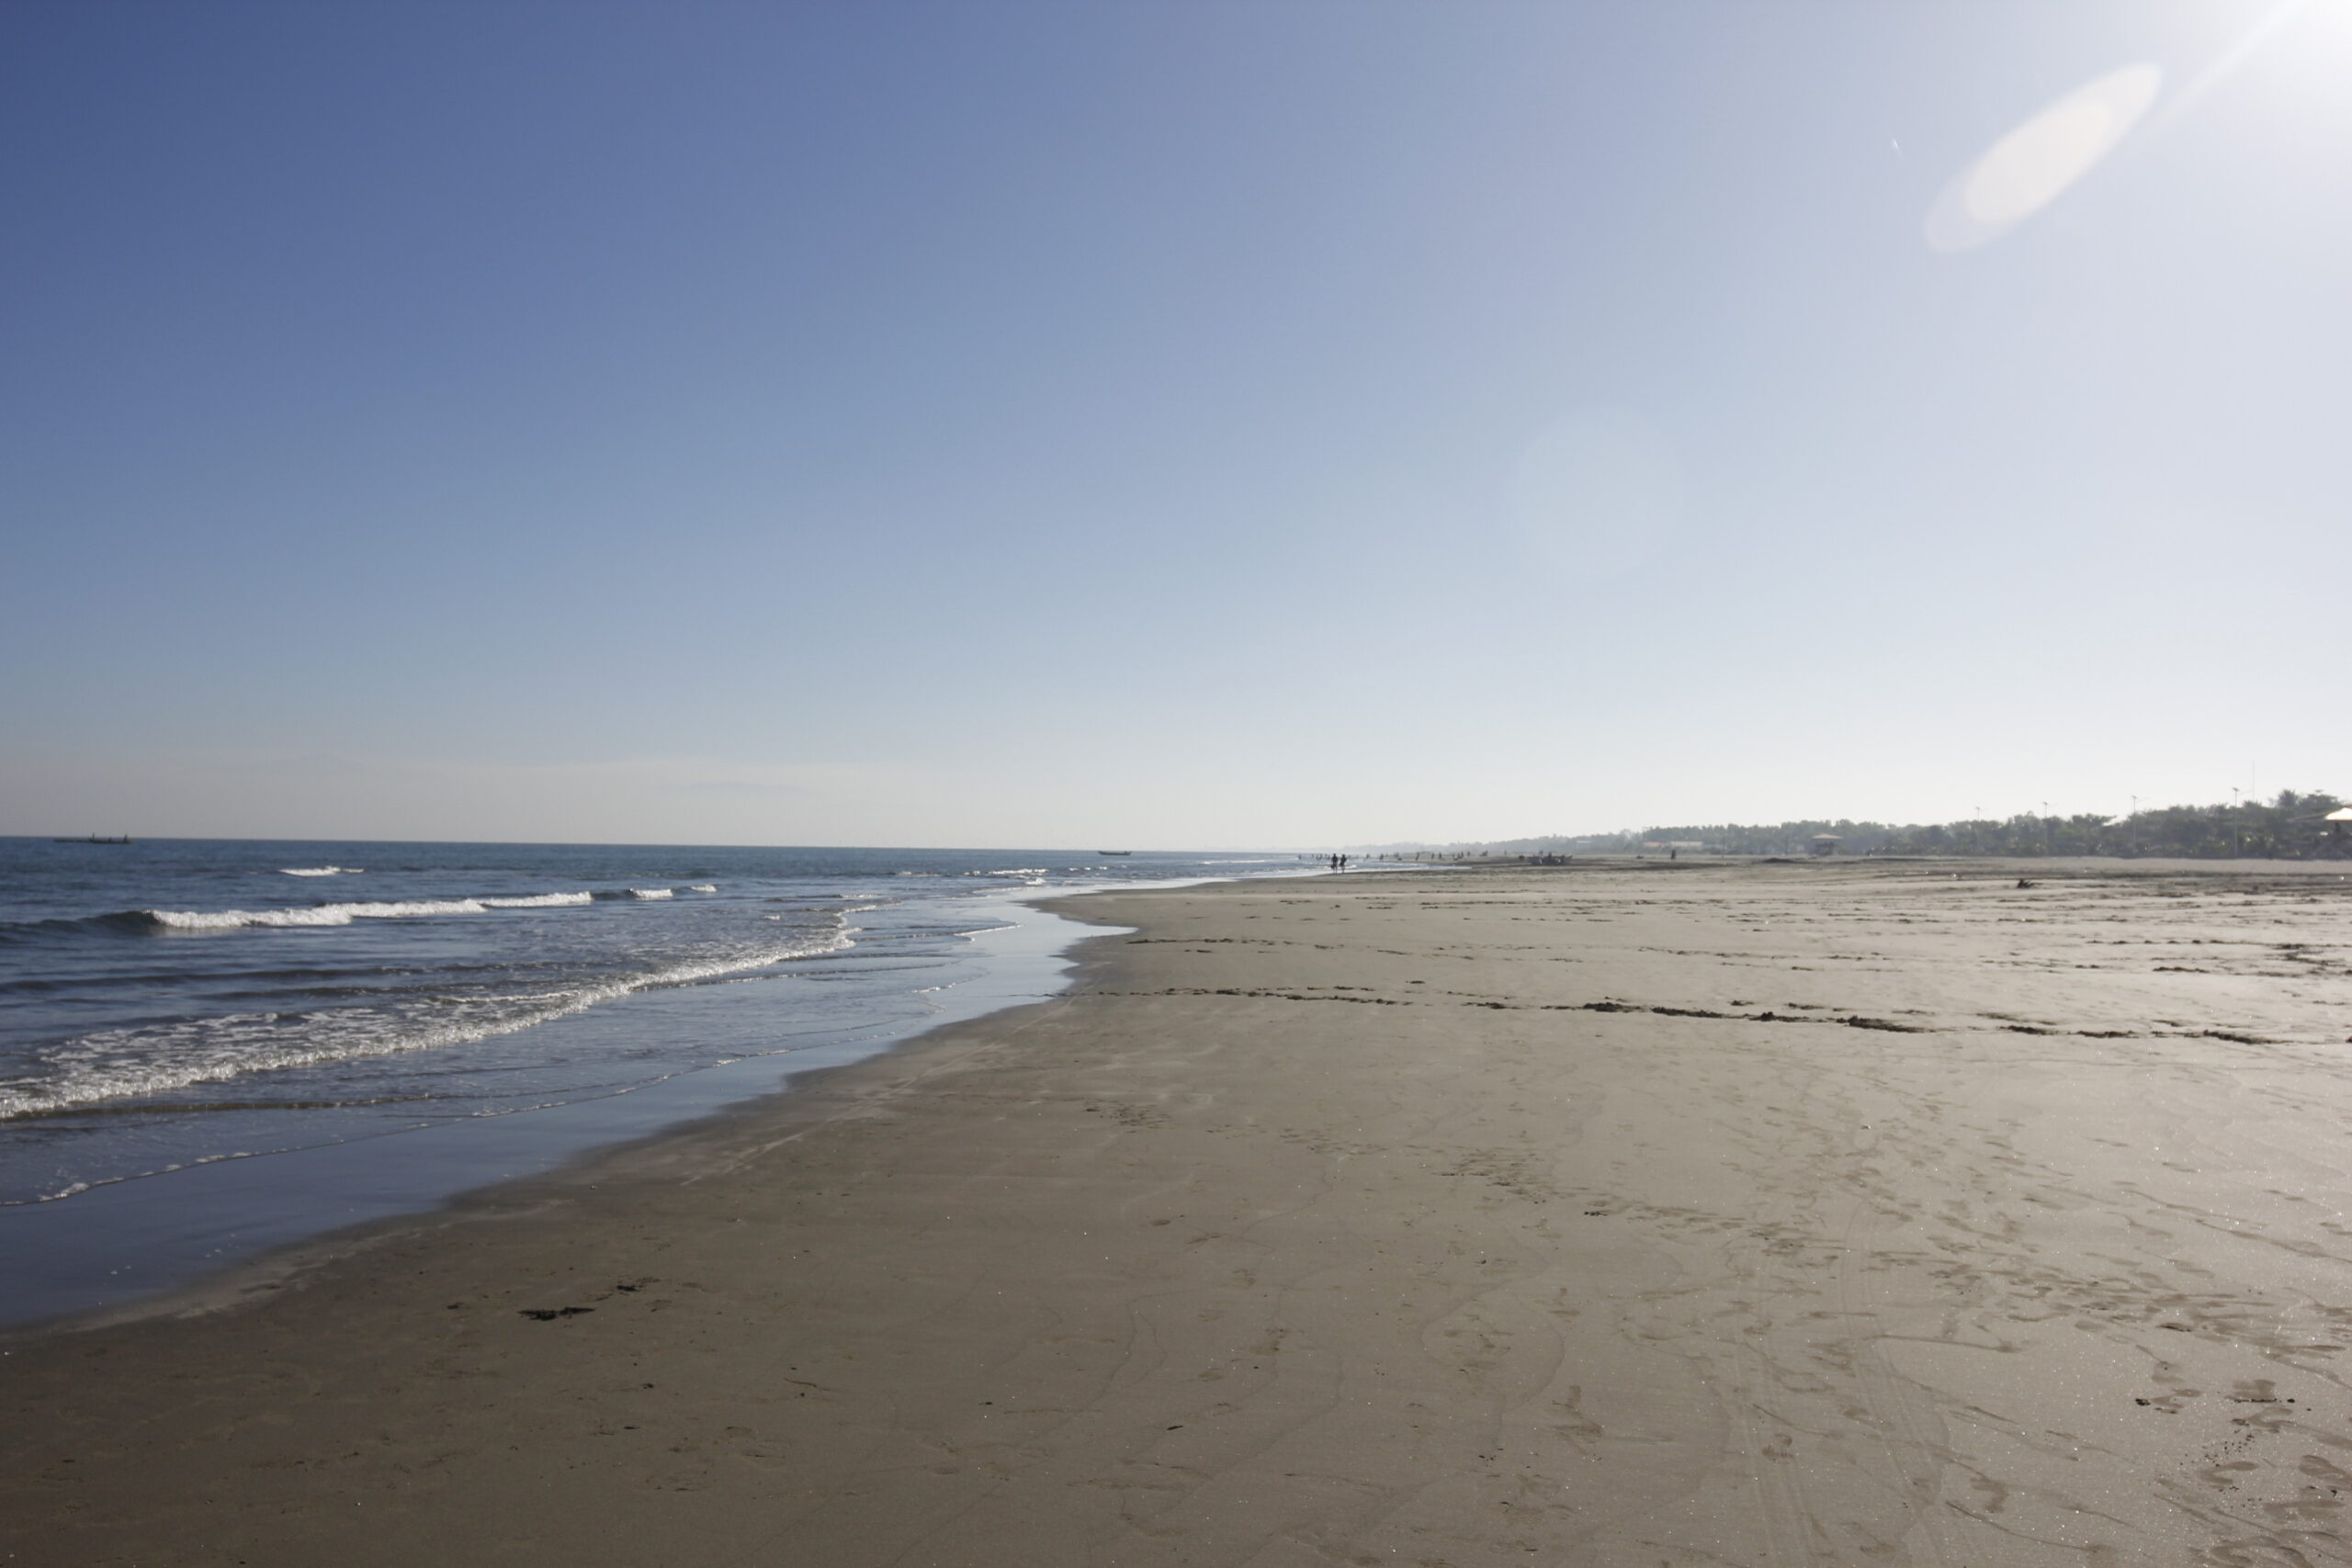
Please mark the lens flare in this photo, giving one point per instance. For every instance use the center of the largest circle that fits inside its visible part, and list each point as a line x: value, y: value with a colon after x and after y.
x: 2035, y: 164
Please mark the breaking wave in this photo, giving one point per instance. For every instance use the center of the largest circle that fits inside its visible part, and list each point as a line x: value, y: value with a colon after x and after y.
x: 344, y: 914
x: 157, y: 1059
x: 314, y: 915
x: 149, y: 920
x: 328, y: 914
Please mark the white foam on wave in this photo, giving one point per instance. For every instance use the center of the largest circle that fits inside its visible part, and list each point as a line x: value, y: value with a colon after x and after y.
x: 320, y: 871
x: 344, y: 914
x: 653, y: 892
x: 316, y: 915
x: 156, y: 1059
x: 704, y: 888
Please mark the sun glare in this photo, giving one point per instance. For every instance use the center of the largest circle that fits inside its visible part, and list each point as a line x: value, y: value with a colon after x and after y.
x: 2033, y: 166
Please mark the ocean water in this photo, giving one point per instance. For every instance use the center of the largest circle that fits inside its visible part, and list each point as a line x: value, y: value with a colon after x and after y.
x: 212, y: 1047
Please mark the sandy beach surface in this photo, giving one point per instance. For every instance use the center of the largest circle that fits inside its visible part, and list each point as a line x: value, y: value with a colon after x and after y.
x: 1627, y: 1214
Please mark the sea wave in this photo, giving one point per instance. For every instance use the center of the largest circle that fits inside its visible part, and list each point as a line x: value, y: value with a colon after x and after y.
x: 321, y: 871
x: 344, y: 914
x: 157, y: 1059
x: 147, y: 922
x: 652, y: 892
x: 312, y: 915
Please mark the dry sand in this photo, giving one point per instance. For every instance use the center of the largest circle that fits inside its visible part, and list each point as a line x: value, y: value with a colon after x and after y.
x: 1628, y: 1215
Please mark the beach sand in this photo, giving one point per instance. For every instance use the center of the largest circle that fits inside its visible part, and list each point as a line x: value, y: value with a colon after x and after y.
x: 1629, y: 1214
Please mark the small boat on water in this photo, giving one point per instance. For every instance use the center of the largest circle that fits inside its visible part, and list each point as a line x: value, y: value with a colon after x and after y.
x: 1115, y: 851
x: 94, y: 838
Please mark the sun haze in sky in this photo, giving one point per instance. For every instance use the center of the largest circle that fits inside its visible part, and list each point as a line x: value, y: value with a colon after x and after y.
x: 1165, y: 424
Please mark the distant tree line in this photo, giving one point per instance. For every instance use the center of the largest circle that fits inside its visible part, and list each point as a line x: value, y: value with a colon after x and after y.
x: 2291, y: 827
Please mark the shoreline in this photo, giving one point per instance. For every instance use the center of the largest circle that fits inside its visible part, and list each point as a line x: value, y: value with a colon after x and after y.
x: 1754, y: 1214
x: 164, y: 1221
x: 789, y: 1105
x: 563, y: 1136
x: 263, y: 1060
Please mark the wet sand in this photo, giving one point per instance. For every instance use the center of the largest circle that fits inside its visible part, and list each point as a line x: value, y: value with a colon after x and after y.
x: 1846, y: 1214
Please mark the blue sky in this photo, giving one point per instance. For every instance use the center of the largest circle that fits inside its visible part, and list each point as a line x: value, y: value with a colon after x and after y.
x: 1158, y: 425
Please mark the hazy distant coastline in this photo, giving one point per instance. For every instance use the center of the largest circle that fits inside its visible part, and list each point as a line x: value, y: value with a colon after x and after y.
x: 2292, y: 826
